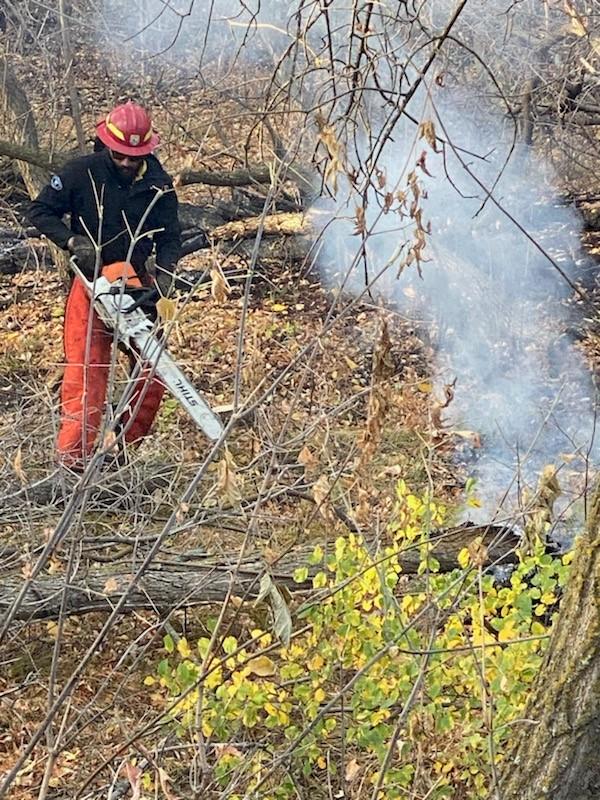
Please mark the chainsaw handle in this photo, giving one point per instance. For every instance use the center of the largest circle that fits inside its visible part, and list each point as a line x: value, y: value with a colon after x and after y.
x: 142, y: 297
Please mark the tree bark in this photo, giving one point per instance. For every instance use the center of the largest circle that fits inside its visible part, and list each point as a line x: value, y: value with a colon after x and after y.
x: 195, y: 580
x: 272, y: 225
x: 556, y: 751
x: 18, y: 125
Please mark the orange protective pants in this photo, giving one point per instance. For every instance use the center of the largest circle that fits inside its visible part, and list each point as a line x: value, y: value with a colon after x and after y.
x: 84, y: 384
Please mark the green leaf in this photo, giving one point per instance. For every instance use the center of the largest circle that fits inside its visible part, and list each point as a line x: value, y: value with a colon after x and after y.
x: 169, y: 643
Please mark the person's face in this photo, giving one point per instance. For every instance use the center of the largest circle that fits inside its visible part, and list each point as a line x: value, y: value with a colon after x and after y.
x: 127, y: 165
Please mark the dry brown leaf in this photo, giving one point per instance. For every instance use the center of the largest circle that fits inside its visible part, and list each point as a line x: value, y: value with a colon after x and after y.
x: 359, y: 221
x: 109, y: 443
x: 308, y: 460
x: 134, y: 776
x: 18, y: 466
x: 220, y: 288
x: 167, y: 309
x: 55, y: 566
x: 352, y: 771
x: 436, y: 416
x: 164, y: 781
x: 334, y: 150
x: 320, y: 493
x: 578, y: 23
x: 182, y: 510
x: 222, y: 750
x: 111, y: 586
x: 427, y: 132
x: 363, y: 511
x: 422, y: 163
x: 227, y: 487
x: 472, y: 437
x: 321, y: 490
x: 478, y: 552
x: 449, y: 393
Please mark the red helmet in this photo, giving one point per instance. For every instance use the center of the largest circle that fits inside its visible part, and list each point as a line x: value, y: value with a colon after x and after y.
x: 128, y: 129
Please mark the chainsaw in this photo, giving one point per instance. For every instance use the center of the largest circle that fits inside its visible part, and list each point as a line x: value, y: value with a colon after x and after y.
x: 119, y: 298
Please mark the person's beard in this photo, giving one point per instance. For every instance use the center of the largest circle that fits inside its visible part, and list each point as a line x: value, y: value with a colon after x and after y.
x: 127, y: 174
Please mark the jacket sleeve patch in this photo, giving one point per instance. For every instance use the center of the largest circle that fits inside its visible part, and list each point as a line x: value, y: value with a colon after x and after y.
x: 56, y: 183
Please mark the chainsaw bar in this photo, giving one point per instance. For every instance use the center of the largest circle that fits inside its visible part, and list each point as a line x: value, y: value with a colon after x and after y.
x: 136, y: 332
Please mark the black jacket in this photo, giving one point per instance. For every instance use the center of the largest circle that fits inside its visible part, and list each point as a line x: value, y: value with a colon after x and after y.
x: 84, y: 182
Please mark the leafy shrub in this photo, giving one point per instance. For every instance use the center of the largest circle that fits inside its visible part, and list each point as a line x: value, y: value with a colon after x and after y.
x: 435, y: 671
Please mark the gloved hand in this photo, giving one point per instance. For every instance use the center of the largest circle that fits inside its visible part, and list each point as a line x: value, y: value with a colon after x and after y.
x: 165, y: 279
x: 85, y: 253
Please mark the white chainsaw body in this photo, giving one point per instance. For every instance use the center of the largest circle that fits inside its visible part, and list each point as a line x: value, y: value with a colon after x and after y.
x: 136, y: 332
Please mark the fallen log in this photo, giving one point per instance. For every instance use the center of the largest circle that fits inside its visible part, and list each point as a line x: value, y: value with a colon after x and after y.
x: 195, y: 580
x: 233, y: 177
x: 285, y: 224
x: 307, y: 180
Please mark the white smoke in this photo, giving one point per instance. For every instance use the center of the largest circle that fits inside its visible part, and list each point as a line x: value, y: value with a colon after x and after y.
x: 497, y: 307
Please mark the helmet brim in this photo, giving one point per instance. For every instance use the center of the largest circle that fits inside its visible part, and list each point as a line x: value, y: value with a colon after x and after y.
x: 112, y: 143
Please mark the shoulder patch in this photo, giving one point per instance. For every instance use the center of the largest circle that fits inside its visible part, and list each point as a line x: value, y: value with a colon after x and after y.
x: 56, y: 183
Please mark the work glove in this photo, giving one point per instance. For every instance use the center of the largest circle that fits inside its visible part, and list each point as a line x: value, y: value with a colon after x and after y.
x: 165, y: 279
x: 85, y: 254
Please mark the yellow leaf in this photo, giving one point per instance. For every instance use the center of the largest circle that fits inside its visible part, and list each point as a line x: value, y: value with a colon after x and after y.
x: 183, y: 648
x: 319, y: 695
x: 54, y: 566
x: 425, y: 386
x: 464, y: 558
x: 316, y: 662
x: 166, y: 308
x: 262, y: 666
x: 52, y: 628
x: 149, y: 680
x: 507, y: 633
x: 278, y: 307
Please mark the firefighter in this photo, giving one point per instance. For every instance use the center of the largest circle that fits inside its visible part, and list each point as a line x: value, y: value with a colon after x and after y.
x: 122, y: 180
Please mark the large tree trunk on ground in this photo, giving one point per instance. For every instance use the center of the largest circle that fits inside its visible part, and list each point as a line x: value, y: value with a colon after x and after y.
x: 556, y: 754
x: 193, y: 580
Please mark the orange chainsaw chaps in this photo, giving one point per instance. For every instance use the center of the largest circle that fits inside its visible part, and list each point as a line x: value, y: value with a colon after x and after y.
x: 84, y: 384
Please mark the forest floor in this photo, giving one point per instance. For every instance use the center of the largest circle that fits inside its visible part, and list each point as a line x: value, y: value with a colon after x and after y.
x: 315, y: 439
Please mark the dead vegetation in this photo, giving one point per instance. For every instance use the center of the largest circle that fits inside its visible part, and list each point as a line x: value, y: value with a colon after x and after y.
x: 329, y: 395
